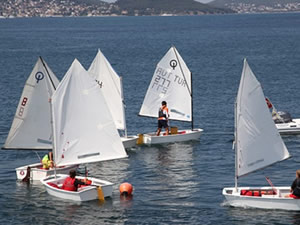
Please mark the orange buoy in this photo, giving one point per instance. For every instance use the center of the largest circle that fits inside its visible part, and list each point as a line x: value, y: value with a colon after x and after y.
x: 126, y: 189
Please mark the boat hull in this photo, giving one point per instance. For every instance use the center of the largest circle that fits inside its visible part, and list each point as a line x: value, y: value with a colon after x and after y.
x: 129, y: 141
x: 86, y: 193
x: 37, y: 172
x: 183, y: 135
x: 289, y: 128
x: 265, y: 201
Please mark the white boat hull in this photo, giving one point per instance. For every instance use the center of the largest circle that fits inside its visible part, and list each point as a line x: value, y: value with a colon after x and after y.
x: 129, y: 141
x: 265, y: 201
x: 182, y: 135
x: 85, y: 193
x: 37, y: 172
x: 289, y: 128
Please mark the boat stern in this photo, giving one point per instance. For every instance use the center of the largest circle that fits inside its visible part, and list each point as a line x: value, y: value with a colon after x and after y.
x: 85, y: 193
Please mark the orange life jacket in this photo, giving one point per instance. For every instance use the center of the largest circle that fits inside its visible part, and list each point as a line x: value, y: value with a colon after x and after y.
x: 69, y: 184
x: 163, y: 113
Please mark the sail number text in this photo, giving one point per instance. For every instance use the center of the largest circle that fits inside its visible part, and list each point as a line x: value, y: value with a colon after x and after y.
x: 163, y: 79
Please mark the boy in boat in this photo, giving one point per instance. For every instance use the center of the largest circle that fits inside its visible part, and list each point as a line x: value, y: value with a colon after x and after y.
x: 163, y: 117
x: 47, y: 161
x: 71, y: 183
x: 295, y: 188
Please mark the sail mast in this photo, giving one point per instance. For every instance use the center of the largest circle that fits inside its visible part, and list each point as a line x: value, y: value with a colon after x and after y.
x: 192, y: 105
x: 53, y: 137
x: 235, y: 146
x: 123, y: 102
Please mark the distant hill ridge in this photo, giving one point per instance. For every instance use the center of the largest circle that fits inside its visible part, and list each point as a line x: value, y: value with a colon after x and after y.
x: 168, y: 7
x: 267, y: 3
x: 46, y: 8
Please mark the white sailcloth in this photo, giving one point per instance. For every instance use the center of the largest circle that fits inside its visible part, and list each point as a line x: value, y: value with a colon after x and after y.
x: 83, y: 128
x: 110, y: 84
x: 258, y: 141
x: 31, y: 127
x: 171, y: 82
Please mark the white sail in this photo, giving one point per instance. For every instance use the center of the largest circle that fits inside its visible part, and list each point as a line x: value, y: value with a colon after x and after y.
x: 83, y: 128
x: 110, y: 84
x: 171, y: 82
x: 31, y: 127
x: 258, y: 142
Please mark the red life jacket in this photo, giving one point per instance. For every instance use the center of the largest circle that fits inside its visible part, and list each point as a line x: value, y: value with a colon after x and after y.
x: 69, y: 184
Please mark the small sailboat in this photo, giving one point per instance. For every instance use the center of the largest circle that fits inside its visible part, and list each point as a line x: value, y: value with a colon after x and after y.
x: 111, y: 86
x: 171, y: 82
x: 257, y: 145
x: 83, y: 132
x: 283, y: 120
x: 31, y: 127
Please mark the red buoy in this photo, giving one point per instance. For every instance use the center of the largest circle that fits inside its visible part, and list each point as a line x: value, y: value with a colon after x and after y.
x: 126, y: 189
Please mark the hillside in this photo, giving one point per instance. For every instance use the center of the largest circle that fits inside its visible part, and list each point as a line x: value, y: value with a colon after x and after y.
x: 246, y: 6
x: 50, y: 8
x: 159, y: 7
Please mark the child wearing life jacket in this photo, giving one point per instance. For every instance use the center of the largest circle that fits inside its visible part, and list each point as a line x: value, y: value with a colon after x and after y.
x: 71, y: 183
x: 163, y: 118
x: 295, y: 188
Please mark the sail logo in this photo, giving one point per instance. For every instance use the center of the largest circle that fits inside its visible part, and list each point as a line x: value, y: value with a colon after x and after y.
x: 256, y: 162
x: 39, y: 140
x: 88, y: 155
x: 177, y: 112
x: 39, y: 76
x: 173, y: 64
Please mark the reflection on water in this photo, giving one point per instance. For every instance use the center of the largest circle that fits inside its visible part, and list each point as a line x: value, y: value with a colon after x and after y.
x: 261, y: 216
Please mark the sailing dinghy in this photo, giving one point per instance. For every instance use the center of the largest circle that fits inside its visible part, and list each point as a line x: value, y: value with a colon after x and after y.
x: 257, y: 145
x: 83, y: 132
x: 111, y: 86
x: 283, y: 120
x: 171, y: 82
x: 31, y: 127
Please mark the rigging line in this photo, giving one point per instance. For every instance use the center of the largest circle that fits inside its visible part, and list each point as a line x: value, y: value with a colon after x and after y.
x: 271, y: 184
x: 189, y: 90
x: 38, y: 155
x: 48, y: 73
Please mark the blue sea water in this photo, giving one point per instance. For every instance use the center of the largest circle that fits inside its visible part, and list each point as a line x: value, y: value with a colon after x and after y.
x: 178, y: 183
